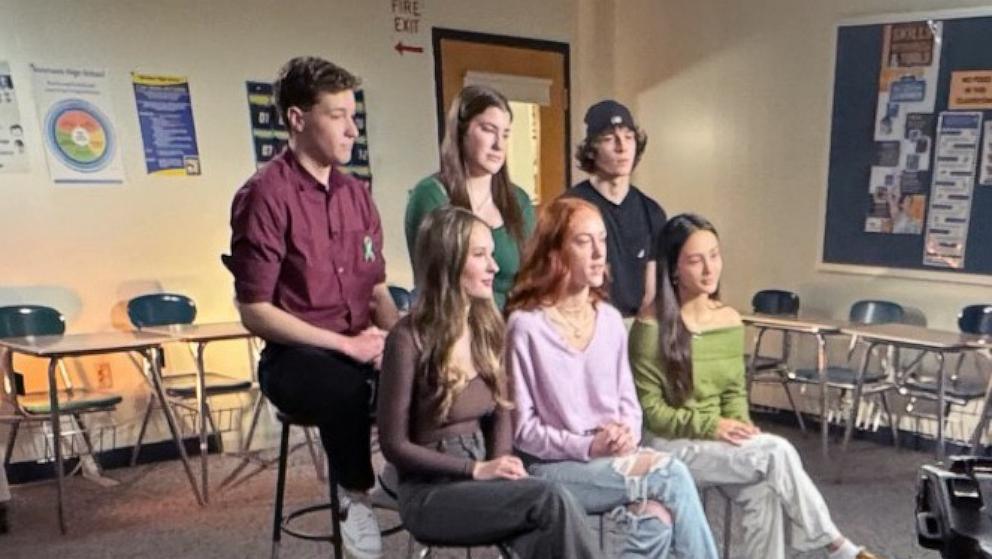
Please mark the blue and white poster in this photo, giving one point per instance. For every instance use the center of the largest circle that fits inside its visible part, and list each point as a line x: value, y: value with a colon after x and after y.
x: 269, y: 134
x: 168, y: 134
x: 953, y: 188
x: 77, y: 125
x: 360, y: 166
x: 13, y: 158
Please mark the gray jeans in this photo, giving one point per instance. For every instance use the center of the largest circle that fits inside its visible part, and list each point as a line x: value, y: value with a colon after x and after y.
x: 763, y: 476
x: 538, y: 519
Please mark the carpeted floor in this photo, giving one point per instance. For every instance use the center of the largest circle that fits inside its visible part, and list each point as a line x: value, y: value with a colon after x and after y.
x: 152, y: 514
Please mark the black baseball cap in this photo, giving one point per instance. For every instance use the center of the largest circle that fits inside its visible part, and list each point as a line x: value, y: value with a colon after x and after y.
x: 605, y: 115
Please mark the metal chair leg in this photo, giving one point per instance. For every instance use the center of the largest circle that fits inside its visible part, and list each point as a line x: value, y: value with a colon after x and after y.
x: 10, y: 442
x: 314, y: 455
x: 728, y: 515
x: 893, y: 425
x: 332, y: 483
x: 246, y: 442
x: 795, y: 408
x: 856, y: 403
x: 280, y: 490
x: 213, y: 427
x: 141, y: 433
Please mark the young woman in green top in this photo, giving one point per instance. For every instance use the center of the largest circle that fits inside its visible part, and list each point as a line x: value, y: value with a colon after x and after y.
x: 687, y: 355
x: 474, y: 176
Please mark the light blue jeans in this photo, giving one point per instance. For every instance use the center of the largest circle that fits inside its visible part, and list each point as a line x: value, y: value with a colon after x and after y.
x: 602, y: 485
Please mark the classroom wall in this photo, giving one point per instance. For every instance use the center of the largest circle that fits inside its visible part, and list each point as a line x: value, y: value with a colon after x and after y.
x: 87, y: 249
x: 736, y: 99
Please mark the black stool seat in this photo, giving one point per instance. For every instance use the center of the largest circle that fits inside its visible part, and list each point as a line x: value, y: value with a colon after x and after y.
x: 301, y: 420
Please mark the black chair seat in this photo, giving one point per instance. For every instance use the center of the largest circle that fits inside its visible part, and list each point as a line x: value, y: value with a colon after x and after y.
x: 962, y: 389
x: 69, y: 402
x: 763, y: 362
x: 184, y: 385
x: 838, y: 375
x: 301, y: 420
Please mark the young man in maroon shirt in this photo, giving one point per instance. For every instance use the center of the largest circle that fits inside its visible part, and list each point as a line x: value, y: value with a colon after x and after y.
x: 306, y: 254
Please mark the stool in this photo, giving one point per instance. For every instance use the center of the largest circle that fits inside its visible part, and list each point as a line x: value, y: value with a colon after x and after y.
x: 502, y: 549
x: 728, y: 513
x: 280, y: 523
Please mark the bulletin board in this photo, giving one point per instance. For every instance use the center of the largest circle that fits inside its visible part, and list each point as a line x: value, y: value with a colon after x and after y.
x: 910, y: 170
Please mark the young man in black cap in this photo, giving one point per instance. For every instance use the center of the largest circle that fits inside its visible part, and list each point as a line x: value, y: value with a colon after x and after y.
x: 612, y: 148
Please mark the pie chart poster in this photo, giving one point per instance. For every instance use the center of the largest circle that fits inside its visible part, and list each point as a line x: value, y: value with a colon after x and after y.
x: 77, y: 125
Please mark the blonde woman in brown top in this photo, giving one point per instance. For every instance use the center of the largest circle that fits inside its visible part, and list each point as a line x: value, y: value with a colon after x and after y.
x: 444, y: 418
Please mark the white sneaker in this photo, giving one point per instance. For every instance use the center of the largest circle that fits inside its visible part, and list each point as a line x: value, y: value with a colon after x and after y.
x: 360, y: 532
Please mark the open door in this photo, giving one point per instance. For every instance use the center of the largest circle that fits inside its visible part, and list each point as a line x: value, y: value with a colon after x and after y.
x: 534, y: 76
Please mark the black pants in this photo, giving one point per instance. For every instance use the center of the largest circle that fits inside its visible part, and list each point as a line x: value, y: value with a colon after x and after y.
x: 332, y: 389
x: 539, y: 519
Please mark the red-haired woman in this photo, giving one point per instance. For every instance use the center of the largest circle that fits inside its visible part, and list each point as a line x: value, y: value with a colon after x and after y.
x: 576, y: 417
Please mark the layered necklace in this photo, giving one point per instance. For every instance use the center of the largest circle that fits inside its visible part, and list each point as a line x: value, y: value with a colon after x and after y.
x: 576, y: 322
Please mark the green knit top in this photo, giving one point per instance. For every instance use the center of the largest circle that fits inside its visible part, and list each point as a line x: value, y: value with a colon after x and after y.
x: 430, y: 194
x: 719, y: 385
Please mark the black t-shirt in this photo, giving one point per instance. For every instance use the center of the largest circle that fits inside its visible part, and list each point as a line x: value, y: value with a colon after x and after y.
x: 632, y: 228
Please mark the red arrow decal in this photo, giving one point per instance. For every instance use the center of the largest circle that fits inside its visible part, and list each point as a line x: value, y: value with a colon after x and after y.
x: 400, y: 47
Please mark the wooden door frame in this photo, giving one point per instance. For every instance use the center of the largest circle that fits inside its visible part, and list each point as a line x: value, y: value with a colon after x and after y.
x: 439, y: 33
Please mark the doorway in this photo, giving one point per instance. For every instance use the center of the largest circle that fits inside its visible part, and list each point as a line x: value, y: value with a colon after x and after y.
x: 534, y: 76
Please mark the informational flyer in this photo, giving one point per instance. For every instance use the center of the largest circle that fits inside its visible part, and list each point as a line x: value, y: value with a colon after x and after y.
x: 970, y: 90
x: 13, y: 158
x: 359, y: 166
x: 77, y: 125
x: 168, y: 134
x: 268, y: 132
x: 985, y: 164
x: 958, y: 136
x: 904, y: 127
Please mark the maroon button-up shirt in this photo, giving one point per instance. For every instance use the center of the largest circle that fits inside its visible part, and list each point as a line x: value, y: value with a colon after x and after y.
x: 312, y: 251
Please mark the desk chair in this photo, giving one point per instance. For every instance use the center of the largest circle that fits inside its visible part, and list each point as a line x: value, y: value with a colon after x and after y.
x: 845, y: 378
x: 774, y: 369
x: 916, y: 384
x: 33, y: 320
x: 402, y: 298
x: 168, y: 309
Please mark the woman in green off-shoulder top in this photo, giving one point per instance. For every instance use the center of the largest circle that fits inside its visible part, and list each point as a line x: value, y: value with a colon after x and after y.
x: 687, y: 355
x: 474, y: 176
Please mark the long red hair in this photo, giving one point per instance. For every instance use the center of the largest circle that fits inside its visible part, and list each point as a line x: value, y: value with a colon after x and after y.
x: 546, y: 270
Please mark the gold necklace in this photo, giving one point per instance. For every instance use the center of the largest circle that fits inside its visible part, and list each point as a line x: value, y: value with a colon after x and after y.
x: 577, y: 328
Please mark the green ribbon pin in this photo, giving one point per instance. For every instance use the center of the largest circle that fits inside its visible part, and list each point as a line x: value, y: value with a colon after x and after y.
x: 368, y: 249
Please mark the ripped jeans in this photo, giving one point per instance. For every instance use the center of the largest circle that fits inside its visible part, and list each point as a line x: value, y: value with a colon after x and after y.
x: 763, y: 476
x: 604, y: 485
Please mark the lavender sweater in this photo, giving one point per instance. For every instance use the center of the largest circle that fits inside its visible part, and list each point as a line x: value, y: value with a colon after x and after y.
x: 562, y: 395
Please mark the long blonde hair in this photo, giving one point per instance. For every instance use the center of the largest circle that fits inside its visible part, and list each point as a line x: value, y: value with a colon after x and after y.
x: 439, y: 314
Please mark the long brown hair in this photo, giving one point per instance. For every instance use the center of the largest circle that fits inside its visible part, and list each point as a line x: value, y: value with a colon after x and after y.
x: 675, y: 338
x: 545, y: 271
x: 439, y: 314
x: 470, y: 102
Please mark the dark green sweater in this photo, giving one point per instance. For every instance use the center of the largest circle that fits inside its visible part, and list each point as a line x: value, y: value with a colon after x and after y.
x: 429, y: 194
x: 719, y: 384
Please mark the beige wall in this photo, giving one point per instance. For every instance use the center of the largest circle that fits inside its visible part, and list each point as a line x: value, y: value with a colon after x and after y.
x: 86, y: 250
x: 735, y: 97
